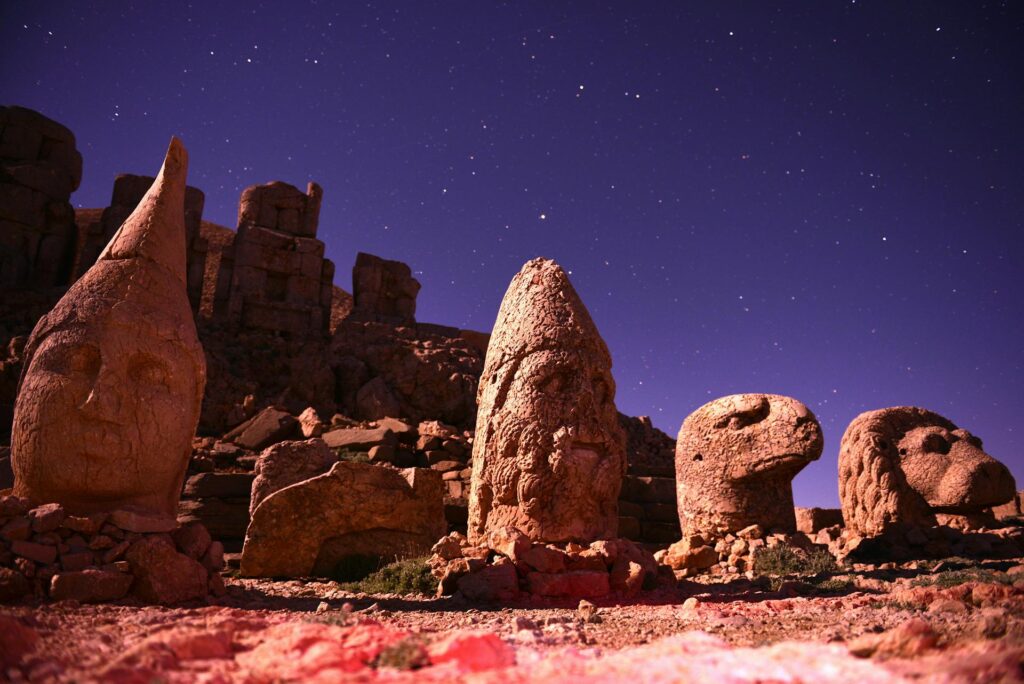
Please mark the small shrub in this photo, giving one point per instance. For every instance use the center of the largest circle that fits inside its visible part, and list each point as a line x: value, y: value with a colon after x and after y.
x: 782, y: 559
x: 352, y: 456
x: 407, y: 654
x: 952, y: 578
x: 832, y: 585
x: 411, y: 576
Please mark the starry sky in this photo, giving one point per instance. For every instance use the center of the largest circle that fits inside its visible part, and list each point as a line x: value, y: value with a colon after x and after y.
x: 818, y: 199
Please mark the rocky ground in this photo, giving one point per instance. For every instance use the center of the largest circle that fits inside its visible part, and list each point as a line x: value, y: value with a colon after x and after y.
x: 957, y: 621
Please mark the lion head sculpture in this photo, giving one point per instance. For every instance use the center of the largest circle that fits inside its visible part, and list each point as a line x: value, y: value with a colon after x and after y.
x: 900, y: 466
x: 736, y: 458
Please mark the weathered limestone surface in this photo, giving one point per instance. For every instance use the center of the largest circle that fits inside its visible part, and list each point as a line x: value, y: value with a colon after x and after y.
x: 355, y: 510
x: 287, y: 463
x: 114, y: 374
x: 383, y: 290
x: 736, y: 458
x: 900, y: 466
x: 96, y: 228
x: 279, y: 279
x: 419, y: 372
x: 39, y: 169
x: 549, y: 453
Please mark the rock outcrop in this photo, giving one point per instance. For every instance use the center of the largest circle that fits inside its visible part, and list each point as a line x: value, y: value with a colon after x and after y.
x: 900, y: 466
x: 549, y: 454
x: 354, y: 514
x: 279, y: 279
x: 736, y: 458
x: 39, y: 169
x: 114, y: 374
x: 383, y: 290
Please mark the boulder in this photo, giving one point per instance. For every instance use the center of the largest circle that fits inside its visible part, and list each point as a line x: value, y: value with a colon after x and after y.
x: 265, y: 428
x: 354, y: 510
x: 91, y: 585
x: 286, y: 463
x: 162, y: 575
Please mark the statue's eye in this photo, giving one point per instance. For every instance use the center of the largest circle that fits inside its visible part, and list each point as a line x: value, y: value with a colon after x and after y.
x: 146, y: 370
x: 554, y: 383
x: 74, y: 361
x: 936, y: 444
x: 84, y: 359
x: 903, y: 451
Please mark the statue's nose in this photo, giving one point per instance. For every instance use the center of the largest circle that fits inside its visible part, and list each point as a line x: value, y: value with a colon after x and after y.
x: 103, y: 402
x: 992, y: 483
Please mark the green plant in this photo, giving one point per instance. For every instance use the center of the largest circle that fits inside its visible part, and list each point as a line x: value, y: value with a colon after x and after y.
x: 352, y: 456
x: 411, y: 576
x: 407, y: 654
x: 952, y: 578
x: 782, y: 560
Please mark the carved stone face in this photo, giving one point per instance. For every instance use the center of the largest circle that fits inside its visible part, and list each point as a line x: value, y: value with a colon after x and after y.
x: 949, y: 469
x: 114, y: 374
x: 549, y: 456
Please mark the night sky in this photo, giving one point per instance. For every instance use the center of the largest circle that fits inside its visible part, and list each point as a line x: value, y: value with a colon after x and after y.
x: 817, y: 199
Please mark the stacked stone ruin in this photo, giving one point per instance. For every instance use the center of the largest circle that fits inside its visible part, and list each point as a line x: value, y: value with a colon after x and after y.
x: 39, y: 169
x: 279, y: 279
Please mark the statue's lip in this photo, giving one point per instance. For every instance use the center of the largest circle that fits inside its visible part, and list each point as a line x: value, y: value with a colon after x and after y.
x: 596, y: 447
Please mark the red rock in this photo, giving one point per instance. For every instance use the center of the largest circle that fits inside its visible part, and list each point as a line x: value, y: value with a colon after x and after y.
x: 77, y: 560
x: 90, y: 586
x: 85, y: 524
x: 11, y: 505
x: 287, y: 463
x: 16, y: 641
x: 627, y: 576
x: 910, y: 639
x: 472, y: 652
x: 131, y: 520
x: 508, y: 541
x: 162, y: 574
x: 298, y: 652
x: 13, y: 585
x: 681, y: 556
x: 497, y: 582
x: 192, y: 539
x: 265, y: 428
x: 544, y: 559
x: 213, y: 559
x: 574, y: 584
x: 46, y: 518
x: 40, y: 553
x: 18, y: 529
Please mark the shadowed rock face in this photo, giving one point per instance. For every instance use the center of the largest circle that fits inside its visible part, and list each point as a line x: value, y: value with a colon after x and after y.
x: 736, y: 458
x: 549, y: 453
x: 114, y: 374
x: 901, y: 465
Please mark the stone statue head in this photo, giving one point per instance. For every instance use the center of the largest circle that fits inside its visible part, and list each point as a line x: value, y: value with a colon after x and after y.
x: 736, y: 458
x: 113, y: 379
x: 549, y: 453
x: 900, y: 466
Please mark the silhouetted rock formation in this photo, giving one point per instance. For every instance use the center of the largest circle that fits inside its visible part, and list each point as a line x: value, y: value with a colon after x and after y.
x: 280, y: 280
x: 39, y: 169
x: 383, y: 290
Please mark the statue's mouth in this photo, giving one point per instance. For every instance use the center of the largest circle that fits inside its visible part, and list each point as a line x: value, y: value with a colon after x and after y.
x: 585, y: 451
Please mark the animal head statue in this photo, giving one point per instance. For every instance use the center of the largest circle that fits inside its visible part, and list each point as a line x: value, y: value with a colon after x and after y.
x: 110, y: 393
x: 900, y: 466
x: 736, y: 458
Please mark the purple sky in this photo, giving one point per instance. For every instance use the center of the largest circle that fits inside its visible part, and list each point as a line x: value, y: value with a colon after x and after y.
x: 818, y: 199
